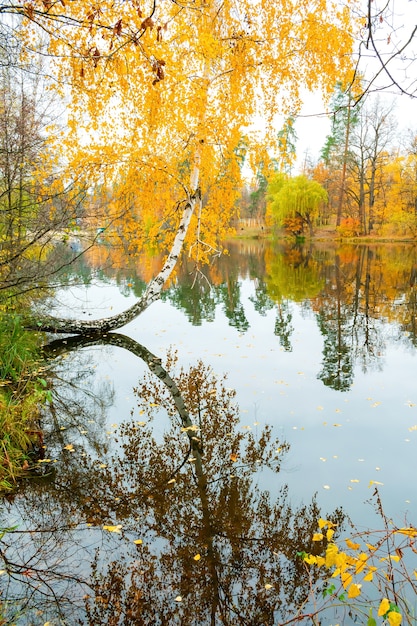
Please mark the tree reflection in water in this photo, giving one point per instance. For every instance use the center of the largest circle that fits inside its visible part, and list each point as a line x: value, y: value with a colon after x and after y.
x: 211, y: 546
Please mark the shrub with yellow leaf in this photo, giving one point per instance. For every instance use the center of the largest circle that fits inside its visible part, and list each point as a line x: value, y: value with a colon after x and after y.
x: 367, y: 565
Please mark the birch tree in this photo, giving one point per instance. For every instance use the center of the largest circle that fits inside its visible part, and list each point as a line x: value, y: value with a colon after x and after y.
x: 159, y: 96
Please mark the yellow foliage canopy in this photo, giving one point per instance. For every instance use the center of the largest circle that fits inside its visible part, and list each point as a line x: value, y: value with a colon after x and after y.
x: 162, y: 95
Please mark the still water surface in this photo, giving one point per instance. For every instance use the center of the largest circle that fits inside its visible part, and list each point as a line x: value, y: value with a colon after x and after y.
x: 298, y: 372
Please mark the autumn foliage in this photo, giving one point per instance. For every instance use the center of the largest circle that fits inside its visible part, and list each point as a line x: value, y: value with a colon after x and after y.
x: 162, y: 95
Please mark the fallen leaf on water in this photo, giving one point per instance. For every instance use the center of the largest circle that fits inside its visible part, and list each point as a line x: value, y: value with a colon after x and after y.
x: 326, y: 486
x: 413, y: 428
x: 354, y: 480
x: 113, y: 529
x: 374, y: 482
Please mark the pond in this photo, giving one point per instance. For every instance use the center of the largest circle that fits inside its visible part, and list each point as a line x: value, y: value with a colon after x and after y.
x: 190, y: 456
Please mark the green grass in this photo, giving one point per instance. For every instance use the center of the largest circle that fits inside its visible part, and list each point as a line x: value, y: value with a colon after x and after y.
x: 22, y: 391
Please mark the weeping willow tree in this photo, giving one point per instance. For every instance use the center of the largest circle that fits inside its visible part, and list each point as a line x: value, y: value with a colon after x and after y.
x: 296, y: 198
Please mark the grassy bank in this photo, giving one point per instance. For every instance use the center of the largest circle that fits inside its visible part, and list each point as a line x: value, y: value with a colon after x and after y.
x: 22, y: 392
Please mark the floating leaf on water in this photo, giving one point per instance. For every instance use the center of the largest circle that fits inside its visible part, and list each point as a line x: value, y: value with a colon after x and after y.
x: 326, y: 486
x: 113, y: 529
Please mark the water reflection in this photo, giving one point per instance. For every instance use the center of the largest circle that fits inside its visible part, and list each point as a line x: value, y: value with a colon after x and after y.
x: 161, y: 521
x: 360, y: 295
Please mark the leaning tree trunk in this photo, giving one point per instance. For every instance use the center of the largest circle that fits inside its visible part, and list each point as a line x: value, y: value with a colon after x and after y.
x: 152, y: 292
x: 154, y: 288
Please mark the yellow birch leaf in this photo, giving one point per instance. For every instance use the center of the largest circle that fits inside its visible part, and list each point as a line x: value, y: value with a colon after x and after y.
x: 318, y: 536
x: 410, y: 532
x: 350, y: 544
x: 138, y: 542
x: 354, y: 591
x: 383, y: 607
x: 268, y: 586
x: 361, y: 563
x: 323, y: 523
x: 329, y: 534
x: 69, y: 447
x: 310, y: 559
x: 394, y: 618
x: 113, y: 529
x: 197, y: 557
x: 346, y: 579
